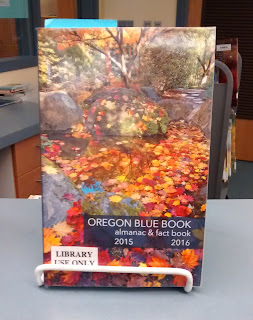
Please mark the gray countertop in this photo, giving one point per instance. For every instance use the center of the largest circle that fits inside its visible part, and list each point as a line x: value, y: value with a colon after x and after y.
x: 226, y: 292
x: 17, y: 122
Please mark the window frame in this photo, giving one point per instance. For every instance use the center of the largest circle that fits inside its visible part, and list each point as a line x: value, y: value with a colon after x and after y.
x: 27, y: 46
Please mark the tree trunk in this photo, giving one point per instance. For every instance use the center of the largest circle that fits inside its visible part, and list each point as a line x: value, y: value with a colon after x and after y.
x: 125, y: 76
x: 126, y: 80
x: 108, y: 66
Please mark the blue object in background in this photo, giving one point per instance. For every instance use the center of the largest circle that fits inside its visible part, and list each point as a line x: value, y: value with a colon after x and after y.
x: 14, y: 9
x: 80, y: 23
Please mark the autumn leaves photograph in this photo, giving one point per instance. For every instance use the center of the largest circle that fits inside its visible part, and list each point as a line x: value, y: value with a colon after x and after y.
x: 125, y: 131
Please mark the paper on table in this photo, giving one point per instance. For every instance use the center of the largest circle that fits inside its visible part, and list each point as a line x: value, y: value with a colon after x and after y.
x: 4, y: 3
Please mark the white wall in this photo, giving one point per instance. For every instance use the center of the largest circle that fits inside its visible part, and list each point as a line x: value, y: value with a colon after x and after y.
x: 140, y: 10
x: 48, y: 8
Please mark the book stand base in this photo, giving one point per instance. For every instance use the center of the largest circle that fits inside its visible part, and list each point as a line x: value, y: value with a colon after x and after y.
x: 39, y: 271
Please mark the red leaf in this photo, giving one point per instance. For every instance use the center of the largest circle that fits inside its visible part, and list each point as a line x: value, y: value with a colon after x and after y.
x: 179, y: 281
x: 103, y: 257
x: 68, y: 196
x: 148, y: 182
x: 70, y: 278
x: 125, y: 261
x: 180, y: 211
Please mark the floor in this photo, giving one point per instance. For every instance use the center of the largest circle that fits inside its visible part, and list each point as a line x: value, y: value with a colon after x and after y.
x: 241, y: 183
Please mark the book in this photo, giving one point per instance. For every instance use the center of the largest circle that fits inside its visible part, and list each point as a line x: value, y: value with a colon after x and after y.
x: 125, y: 137
x: 12, y: 89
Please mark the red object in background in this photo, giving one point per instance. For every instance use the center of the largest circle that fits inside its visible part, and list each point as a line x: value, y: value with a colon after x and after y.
x: 227, y: 52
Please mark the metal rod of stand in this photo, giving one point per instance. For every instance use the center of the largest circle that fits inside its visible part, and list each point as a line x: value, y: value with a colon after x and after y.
x: 39, y: 271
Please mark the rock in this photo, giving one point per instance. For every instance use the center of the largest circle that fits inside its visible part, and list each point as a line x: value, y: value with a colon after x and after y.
x: 193, y: 113
x: 203, y: 191
x: 176, y: 108
x: 58, y: 111
x: 202, y: 117
x: 125, y: 112
x: 151, y: 93
x: 55, y: 186
x: 101, y: 205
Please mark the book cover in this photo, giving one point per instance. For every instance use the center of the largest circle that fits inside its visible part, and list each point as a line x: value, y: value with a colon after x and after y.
x: 125, y: 137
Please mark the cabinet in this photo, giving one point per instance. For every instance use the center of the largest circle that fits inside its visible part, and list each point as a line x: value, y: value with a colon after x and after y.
x: 26, y: 167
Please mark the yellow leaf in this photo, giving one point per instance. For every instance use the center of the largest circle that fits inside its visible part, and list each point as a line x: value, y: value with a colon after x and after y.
x: 73, y: 175
x: 136, y: 196
x: 167, y: 214
x: 145, y: 118
x: 188, y: 187
x: 114, y: 263
x: 176, y: 203
x: 157, y: 283
x: 49, y: 170
x: 121, y: 178
x: 79, y: 127
x: 108, y: 125
x: 158, y: 187
x: 145, y: 284
x: 155, y: 163
x: 115, y: 198
x: 160, y: 148
x: 142, y: 264
x: 124, y: 163
x: 106, y: 165
x: 169, y: 180
x: 84, y: 177
x: 153, y: 199
x: 62, y: 229
x: 203, y: 207
x: 51, y: 240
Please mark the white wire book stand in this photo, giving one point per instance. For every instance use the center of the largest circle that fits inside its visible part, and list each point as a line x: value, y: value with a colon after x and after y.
x: 39, y: 271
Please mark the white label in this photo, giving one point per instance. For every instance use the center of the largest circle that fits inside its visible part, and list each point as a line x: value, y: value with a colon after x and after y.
x: 223, y: 47
x: 75, y: 256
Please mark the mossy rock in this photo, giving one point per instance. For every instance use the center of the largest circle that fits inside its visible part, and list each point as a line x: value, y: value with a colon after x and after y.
x: 125, y: 112
x: 55, y: 185
x: 102, y: 205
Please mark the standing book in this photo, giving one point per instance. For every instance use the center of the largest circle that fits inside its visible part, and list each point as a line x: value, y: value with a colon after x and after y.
x: 125, y: 136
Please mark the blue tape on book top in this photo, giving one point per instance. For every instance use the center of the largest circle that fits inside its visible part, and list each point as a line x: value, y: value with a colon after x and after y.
x: 80, y: 23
